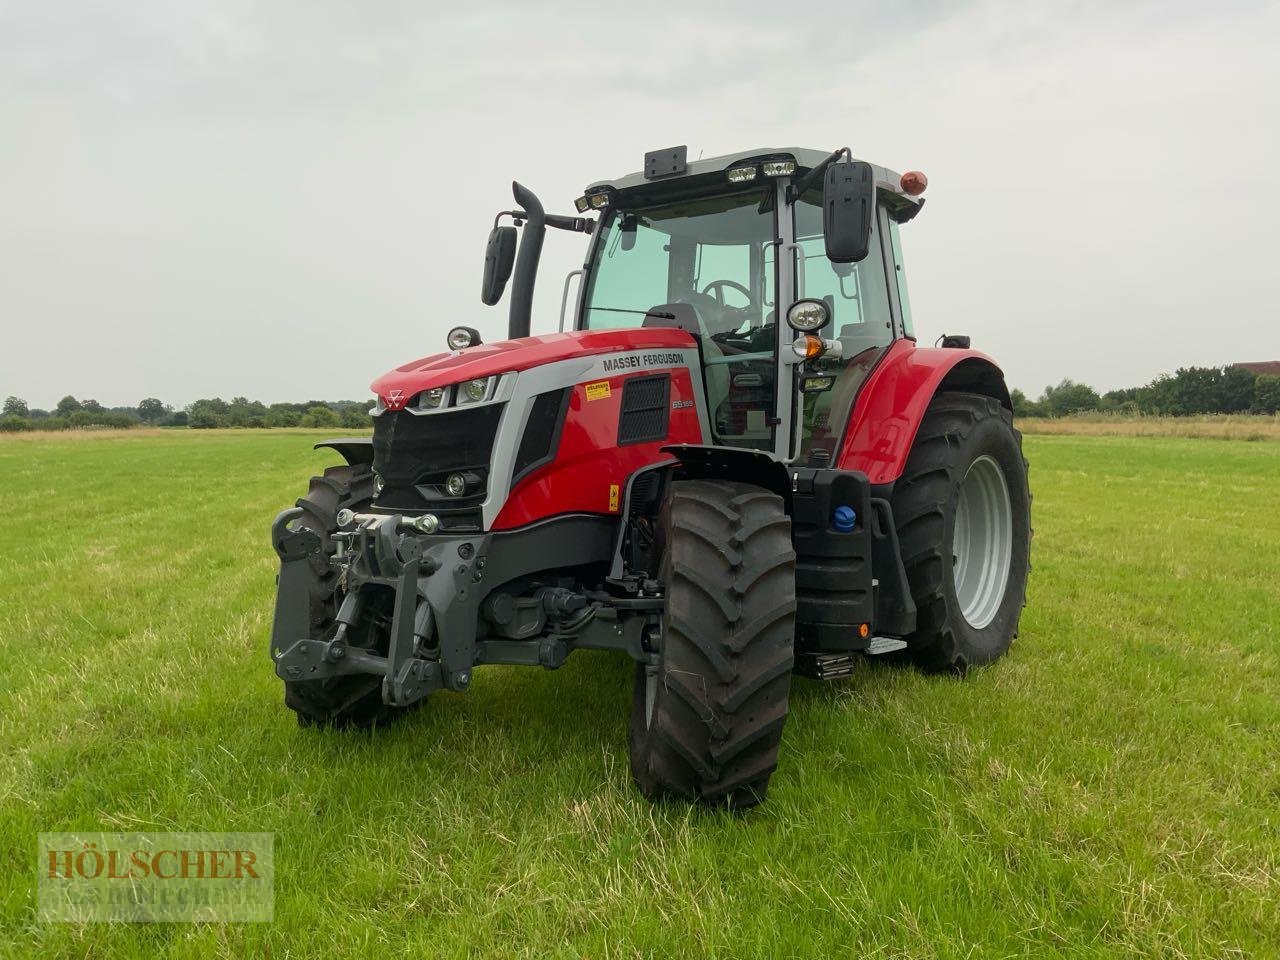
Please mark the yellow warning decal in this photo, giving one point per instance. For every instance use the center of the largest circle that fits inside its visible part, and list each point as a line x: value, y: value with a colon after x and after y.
x: 613, y: 493
x: 598, y: 391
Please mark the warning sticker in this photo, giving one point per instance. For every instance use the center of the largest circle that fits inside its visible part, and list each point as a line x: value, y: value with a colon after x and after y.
x: 613, y: 492
x: 598, y: 391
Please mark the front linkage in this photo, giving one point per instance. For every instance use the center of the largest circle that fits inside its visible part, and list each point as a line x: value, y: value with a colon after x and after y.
x: 439, y: 585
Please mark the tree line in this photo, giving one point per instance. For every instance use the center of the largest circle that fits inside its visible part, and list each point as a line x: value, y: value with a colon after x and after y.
x: 1188, y: 392
x: 205, y: 414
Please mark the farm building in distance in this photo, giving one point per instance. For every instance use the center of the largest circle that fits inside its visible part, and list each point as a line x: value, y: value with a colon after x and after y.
x: 1261, y: 368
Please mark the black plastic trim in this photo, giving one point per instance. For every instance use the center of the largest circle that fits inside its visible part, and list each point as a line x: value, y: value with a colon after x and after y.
x: 643, y: 418
x: 553, y: 443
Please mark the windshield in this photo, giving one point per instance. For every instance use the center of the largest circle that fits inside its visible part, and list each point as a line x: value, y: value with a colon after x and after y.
x: 708, y: 263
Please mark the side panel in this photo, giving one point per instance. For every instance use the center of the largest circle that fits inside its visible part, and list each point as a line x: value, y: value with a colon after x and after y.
x: 590, y: 469
x: 893, y: 400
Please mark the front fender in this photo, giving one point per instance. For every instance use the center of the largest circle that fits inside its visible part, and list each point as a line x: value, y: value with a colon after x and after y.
x: 700, y: 462
x: 892, y: 403
x: 355, y: 450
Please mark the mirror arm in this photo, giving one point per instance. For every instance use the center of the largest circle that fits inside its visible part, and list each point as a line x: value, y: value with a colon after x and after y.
x: 575, y: 224
x: 797, y: 188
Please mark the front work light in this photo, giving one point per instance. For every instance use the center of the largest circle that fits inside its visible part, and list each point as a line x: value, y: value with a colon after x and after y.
x: 742, y: 174
x: 598, y: 200
x: 808, y: 315
x: 462, y: 337
x: 779, y: 168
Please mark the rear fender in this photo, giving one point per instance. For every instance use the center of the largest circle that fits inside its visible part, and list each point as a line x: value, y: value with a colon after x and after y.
x: 355, y: 450
x: 892, y: 403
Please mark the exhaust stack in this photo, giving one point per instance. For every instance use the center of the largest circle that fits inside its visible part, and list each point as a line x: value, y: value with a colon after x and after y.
x: 535, y: 229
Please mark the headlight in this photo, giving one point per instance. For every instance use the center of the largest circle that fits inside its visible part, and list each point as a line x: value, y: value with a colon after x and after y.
x: 430, y: 399
x: 473, y: 391
x: 462, y: 337
x: 808, y: 315
x: 455, y: 485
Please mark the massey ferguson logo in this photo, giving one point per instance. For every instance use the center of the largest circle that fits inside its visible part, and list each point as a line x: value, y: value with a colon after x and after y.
x: 636, y: 360
x: 395, y: 399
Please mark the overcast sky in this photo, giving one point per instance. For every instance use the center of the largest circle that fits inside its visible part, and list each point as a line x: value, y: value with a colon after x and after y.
x: 283, y: 200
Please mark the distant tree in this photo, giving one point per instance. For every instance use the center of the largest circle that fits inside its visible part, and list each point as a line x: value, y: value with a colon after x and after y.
x: 177, y: 419
x: 1023, y: 406
x: 67, y: 406
x: 283, y: 415
x: 12, y: 423
x: 16, y: 407
x: 205, y: 415
x: 100, y: 418
x: 1266, y: 395
x: 243, y: 412
x: 37, y: 414
x: 321, y: 416
x: 355, y: 417
x: 93, y: 406
x: 1069, y: 397
x: 152, y: 410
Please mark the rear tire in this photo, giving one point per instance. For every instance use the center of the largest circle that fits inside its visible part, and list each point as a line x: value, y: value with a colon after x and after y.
x: 347, y: 701
x: 707, y: 722
x: 963, y: 515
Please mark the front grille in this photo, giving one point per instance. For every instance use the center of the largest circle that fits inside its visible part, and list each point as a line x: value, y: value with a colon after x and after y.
x: 415, y: 453
x: 541, y: 433
x: 644, y: 416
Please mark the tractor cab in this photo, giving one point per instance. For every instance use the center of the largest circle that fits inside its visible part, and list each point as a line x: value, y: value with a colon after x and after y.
x: 789, y: 310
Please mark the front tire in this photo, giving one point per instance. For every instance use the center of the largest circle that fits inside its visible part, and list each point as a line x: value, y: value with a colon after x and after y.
x: 707, y: 718
x: 963, y: 515
x: 353, y: 700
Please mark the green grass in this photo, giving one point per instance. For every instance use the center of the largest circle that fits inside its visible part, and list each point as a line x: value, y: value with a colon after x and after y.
x: 1111, y: 788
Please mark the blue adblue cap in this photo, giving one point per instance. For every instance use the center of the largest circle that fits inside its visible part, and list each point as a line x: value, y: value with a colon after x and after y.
x: 844, y: 519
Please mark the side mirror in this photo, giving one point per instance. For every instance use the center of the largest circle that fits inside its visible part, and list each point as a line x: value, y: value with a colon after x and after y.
x: 499, y: 258
x: 848, y: 209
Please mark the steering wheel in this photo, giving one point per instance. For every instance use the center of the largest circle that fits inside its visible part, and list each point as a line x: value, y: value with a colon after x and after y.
x: 716, y: 289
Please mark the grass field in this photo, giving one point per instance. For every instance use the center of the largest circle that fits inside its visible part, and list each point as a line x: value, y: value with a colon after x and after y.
x: 1112, y: 788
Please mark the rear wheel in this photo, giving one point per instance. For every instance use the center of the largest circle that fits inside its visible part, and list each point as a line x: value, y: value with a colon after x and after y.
x: 963, y: 513
x: 706, y: 720
x: 354, y: 700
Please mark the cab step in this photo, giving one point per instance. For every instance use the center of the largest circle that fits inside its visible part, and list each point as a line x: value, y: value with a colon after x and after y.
x: 825, y: 666
x: 833, y: 666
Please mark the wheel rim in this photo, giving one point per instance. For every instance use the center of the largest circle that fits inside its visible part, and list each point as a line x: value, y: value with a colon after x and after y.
x: 982, y: 545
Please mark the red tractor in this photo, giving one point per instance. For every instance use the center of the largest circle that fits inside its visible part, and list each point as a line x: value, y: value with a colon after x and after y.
x: 735, y: 465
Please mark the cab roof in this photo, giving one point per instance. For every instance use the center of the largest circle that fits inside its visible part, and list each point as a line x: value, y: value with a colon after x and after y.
x: 806, y: 159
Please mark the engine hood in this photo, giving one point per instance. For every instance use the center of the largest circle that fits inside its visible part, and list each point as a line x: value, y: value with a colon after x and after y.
x: 396, y: 388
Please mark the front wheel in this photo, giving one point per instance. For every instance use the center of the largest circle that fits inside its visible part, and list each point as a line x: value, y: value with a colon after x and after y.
x: 707, y: 717
x: 963, y: 515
